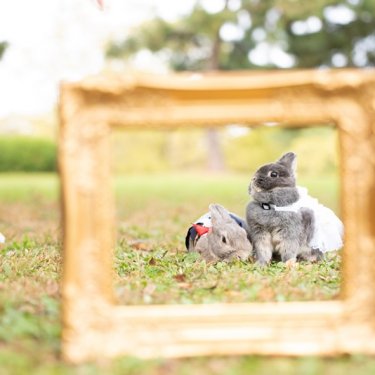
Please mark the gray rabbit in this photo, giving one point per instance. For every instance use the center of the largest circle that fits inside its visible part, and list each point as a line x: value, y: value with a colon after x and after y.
x: 276, y: 227
x: 219, y: 236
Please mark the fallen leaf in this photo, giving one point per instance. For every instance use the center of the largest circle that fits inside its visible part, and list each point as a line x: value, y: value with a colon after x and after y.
x: 152, y: 261
x: 141, y: 245
x: 180, y: 277
x: 185, y: 285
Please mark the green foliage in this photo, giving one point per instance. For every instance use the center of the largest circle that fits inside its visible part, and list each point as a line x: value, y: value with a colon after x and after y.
x: 3, y: 47
x: 159, y: 151
x: 27, y: 154
x: 319, y: 150
x: 187, y: 150
x: 260, y: 146
x: 316, y: 149
x: 189, y: 42
x: 155, y: 151
x: 305, y: 29
x: 318, y: 48
x: 139, y: 151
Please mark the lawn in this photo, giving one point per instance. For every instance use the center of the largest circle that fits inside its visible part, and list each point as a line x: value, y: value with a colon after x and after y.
x: 153, y: 214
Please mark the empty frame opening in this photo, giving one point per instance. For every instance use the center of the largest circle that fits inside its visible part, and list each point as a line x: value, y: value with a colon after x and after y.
x: 165, y: 180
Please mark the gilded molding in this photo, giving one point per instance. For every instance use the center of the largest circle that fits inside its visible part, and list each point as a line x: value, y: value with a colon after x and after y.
x: 94, y: 326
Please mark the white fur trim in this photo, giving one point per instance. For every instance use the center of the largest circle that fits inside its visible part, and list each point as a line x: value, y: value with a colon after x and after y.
x: 291, y: 208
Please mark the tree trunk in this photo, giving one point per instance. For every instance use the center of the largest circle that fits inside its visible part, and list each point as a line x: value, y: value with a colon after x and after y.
x: 215, y: 152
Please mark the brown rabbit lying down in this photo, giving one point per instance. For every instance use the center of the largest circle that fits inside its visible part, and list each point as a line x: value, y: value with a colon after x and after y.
x: 219, y: 236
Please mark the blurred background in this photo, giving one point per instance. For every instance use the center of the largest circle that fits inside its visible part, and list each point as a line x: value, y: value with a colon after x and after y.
x: 45, y: 42
x: 164, y: 180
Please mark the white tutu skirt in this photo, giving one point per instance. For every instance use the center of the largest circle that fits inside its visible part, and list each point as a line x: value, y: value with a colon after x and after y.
x: 329, y: 230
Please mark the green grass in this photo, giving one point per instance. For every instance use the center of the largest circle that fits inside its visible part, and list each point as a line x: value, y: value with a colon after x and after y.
x: 161, y: 274
x: 26, y: 187
x: 151, y: 266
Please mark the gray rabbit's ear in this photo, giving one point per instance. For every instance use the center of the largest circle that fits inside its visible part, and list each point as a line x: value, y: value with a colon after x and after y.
x: 289, y: 160
x: 218, y: 213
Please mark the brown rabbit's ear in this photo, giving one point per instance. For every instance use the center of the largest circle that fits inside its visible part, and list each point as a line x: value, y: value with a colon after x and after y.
x: 218, y: 213
x: 289, y: 160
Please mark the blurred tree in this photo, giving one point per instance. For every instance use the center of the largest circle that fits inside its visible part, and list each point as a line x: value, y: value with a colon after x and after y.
x: 264, y: 144
x: 3, y: 47
x: 268, y: 143
x: 196, y: 41
x: 260, y: 34
x: 330, y: 33
x: 324, y: 161
x: 257, y: 34
x: 143, y: 151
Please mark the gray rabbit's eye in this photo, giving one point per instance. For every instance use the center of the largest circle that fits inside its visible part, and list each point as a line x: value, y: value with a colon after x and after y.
x: 273, y: 174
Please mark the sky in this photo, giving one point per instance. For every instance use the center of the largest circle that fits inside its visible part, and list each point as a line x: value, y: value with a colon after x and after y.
x: 55, y: 40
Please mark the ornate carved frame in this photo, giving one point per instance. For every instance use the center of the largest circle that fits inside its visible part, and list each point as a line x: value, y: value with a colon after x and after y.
x: 94, y: 326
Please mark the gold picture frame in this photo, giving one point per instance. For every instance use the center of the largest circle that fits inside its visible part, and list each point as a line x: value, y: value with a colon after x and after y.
x: 95, y: 326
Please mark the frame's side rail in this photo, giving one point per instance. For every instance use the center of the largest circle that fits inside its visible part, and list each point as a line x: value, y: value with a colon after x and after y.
x: 88, y: 216
x: 94, y: 326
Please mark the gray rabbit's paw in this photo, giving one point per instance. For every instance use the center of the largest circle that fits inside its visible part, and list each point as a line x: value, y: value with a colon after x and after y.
x: 311, y: 255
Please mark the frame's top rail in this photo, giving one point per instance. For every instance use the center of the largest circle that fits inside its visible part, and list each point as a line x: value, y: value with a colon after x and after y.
x: 239, y: 80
